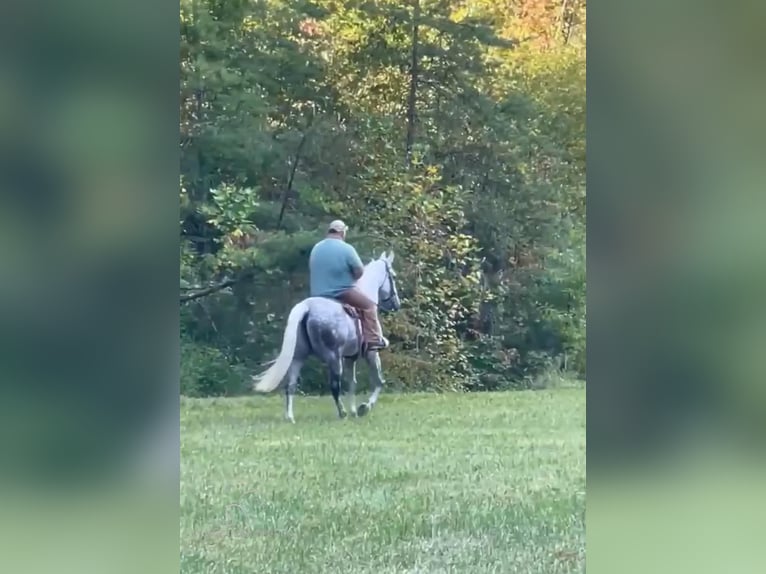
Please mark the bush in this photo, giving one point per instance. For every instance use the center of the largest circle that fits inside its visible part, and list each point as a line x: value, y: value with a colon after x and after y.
x: 207, y: 372
x: 405, y: 372
x: 498, y: 367
x: 402, y: 372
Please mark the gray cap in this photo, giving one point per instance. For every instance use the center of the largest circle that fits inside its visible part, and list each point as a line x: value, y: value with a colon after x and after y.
x: 337, y: 226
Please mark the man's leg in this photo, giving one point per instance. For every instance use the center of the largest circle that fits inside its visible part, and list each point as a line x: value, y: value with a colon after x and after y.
x: 368, y: 313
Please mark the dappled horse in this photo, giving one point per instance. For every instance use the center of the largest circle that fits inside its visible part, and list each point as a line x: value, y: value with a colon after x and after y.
x: 330, y: 330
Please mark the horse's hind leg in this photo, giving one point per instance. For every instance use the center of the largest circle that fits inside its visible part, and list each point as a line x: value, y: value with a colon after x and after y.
x: 290, y: 387
x: 335, y: 368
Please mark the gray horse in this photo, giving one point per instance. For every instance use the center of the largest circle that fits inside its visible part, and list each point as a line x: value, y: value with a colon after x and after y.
x: 322, y: 327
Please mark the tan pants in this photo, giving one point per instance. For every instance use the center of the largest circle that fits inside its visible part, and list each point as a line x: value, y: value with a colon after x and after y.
x: 368, y: 313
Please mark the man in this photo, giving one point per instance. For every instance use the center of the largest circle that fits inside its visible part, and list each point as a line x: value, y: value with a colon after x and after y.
x: 334, y: 268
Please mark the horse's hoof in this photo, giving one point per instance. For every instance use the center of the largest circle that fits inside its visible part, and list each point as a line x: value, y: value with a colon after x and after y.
x: 362, y: 410
x: 290, y: 420
x: 342, y: 414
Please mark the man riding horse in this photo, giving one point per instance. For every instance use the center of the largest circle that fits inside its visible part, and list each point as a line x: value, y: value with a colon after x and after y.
x: 334, y: 268
x: 321, y: 324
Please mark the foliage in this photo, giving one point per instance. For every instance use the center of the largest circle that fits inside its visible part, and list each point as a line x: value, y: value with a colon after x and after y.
x: 206, y: 371
x: 452, y: 131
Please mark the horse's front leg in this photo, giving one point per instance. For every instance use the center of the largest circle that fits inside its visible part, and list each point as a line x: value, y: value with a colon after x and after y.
x: 351, y: 368
x: 376, y: 372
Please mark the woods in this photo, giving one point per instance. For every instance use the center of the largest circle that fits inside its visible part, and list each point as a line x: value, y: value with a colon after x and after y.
x: 451, y: 131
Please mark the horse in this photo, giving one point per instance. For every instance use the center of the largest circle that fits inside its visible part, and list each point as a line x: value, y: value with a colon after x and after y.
x: 326, y: 328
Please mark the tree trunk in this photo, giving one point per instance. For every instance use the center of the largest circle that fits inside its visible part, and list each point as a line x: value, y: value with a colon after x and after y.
x: 565, y: 21
x: 412, y: 99
x: 289, y: 187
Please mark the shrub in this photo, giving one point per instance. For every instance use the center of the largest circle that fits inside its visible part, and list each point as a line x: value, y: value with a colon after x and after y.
x: 207, y: 372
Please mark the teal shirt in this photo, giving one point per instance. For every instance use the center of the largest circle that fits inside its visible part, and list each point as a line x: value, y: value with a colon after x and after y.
x: 330, y: 265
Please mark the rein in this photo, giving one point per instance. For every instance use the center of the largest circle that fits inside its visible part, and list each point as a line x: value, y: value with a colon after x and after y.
x: 391, y: 286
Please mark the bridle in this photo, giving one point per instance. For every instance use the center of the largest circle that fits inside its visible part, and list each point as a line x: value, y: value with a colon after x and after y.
x: 391, y: 285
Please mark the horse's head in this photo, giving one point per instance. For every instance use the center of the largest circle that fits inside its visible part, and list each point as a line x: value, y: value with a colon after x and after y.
x: 388, y: 296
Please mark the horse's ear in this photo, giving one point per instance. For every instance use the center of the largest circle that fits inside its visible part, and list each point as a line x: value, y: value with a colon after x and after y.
x: 383, y: 255
x: 391, y: 257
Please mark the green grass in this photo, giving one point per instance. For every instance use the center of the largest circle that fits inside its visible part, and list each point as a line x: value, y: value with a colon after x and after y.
x: 425, y: 484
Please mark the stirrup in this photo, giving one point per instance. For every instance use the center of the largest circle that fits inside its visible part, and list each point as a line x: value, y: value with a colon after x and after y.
x: 377, y: 346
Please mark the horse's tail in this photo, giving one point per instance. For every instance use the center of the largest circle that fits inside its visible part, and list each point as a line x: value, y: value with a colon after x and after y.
x: 270, y: 379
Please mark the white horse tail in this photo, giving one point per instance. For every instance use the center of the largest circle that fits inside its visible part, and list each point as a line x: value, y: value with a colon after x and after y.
x: 270, y: 379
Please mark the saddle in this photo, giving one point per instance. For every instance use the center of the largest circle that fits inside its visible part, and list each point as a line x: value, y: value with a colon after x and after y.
x: 353, y: 312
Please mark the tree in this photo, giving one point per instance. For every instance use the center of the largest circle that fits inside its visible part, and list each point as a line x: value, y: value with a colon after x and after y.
x: 452, y: 131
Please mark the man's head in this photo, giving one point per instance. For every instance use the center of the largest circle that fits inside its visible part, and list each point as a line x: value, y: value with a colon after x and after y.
x: 337, y: 229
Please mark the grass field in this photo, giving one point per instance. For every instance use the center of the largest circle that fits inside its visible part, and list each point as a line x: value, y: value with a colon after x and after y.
x: 426, y: 484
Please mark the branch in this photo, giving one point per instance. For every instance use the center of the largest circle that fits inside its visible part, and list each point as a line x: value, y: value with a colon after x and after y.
x: 208, y: 291
x: 293, y: 168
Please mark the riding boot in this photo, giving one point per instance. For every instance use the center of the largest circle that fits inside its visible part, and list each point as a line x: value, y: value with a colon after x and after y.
x: 379, y: 328
x: 371, y: 329
x: 368, y: 316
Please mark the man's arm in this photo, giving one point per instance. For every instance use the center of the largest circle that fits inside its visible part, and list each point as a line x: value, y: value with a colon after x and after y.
x: 355, y: 262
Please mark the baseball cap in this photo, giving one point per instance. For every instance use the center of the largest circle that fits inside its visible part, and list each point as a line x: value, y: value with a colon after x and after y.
x: 338, y: 226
